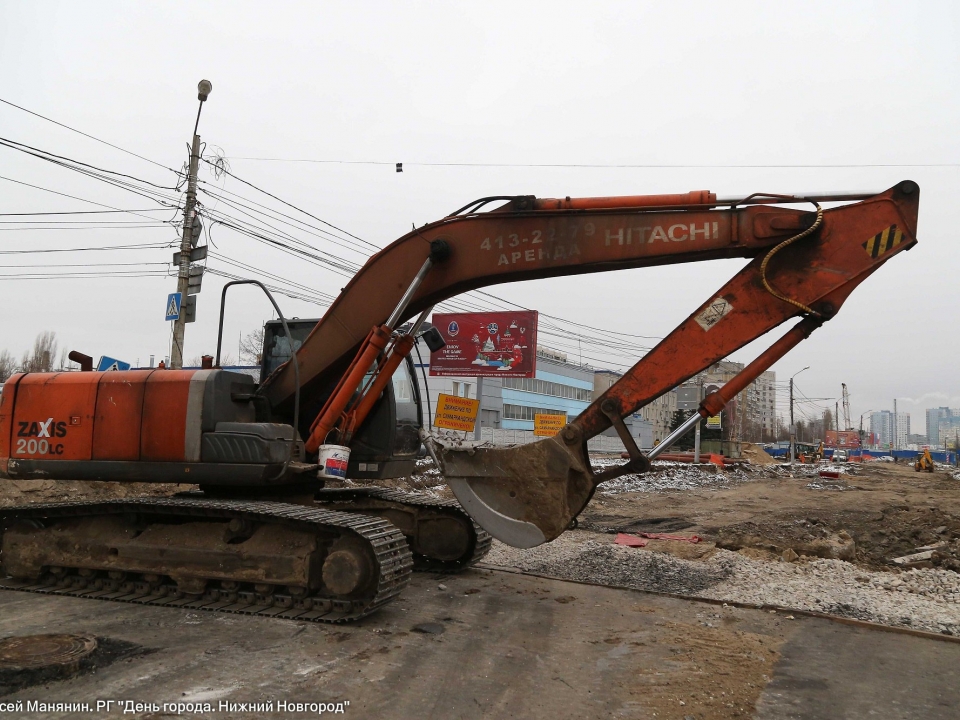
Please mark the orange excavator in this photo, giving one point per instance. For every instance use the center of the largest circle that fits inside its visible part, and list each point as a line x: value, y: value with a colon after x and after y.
x: 262, y: 535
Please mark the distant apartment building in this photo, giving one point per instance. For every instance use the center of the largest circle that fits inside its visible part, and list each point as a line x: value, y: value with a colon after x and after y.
x: 762, y: 403
x: 659, y: 413
x: 942, y: 426
x: 892, y: 432
x: 881, y: 427
x: 949, y: 431
x: 758, y: 420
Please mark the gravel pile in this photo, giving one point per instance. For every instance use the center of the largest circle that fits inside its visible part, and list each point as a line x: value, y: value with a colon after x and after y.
x: 669, y: 476
x: 926, y: 599
x: 608, y: 564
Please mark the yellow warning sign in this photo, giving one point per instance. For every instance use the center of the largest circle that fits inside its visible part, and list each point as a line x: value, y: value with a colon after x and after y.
x: 883, y: 241
x: 456, y: 413
x: 713, y: 422
x: 548, y: 425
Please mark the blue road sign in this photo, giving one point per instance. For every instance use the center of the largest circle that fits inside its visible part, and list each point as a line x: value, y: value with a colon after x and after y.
x: 109, y: 363
x: 173, y: 306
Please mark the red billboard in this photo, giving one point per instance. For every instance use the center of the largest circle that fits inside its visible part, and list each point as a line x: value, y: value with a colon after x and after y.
x: 487, y: 344
x: 842, y: 439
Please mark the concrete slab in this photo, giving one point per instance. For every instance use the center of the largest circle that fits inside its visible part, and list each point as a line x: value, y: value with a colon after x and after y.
x: 837, y: 671
x: 494, y: 644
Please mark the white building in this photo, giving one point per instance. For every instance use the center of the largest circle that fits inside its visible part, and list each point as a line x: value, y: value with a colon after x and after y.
x: 890, y: 435
x: 762, y: 403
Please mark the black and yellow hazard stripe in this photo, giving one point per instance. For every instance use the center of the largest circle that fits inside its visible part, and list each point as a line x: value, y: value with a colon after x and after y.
x: 883, y: 241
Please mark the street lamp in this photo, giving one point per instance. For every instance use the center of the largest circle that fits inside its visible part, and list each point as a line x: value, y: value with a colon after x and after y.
x: 793, y: 428
x: 861, y: 431
x: 190, y: 228
x: 204, y: 88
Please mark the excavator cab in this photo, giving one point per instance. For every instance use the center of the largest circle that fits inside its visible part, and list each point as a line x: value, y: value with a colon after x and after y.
x: 276, y: 348
x: 388, y: 442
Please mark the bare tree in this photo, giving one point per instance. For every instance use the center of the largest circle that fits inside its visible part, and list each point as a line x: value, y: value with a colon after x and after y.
x: 8, y: 366
x: 251, y: 347
x: 43, y: 355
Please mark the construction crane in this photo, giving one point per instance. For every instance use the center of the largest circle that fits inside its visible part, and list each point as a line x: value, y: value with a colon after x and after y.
x: 262, y: 535
x: 846, y: 408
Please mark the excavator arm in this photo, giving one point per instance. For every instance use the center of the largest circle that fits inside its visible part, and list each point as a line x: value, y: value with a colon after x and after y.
x: 803, y: 263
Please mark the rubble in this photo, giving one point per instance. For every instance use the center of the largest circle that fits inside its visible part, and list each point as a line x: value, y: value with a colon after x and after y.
x: 666, y: 476
x: 838, y: 547
x: 925, y: 599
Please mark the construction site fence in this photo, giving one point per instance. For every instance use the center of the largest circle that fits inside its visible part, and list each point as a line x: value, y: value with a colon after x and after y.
x: 941, y: 456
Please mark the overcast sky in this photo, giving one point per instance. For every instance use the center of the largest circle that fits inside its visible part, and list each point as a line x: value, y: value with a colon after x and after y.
x: 641, y: 83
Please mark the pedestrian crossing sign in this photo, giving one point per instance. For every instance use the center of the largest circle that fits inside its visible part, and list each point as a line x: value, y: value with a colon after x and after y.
x: 108, y: 363
x: 173, y: 306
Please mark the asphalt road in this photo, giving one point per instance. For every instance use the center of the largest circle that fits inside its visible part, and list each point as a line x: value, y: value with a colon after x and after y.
x: 499, y: 645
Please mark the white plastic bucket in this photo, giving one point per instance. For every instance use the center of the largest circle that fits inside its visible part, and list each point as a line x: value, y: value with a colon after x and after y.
x: 333, y: 460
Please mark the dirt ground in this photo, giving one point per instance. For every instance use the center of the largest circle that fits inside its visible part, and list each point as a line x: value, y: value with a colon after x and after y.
x: 487, y: 644
x: 602, y: 652
x: 888, y: 510
x: 22, y: 492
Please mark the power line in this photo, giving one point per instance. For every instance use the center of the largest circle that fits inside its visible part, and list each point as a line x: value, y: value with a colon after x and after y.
x: 87, y: 135
x: 104, y: 223
x: 65, y: 161
x: 105, y: 264
x: 89, y: 227
x: 283, y: 218
x: 82, y: 212
x: 652, y: 166
x: 119, y: 180
x: 74, y: 197
x: 257, y: 222
x: 290, y: 205
x: 142, y: 246
x: 243, y: 266
x: 284, y: 247
x: 330, y: 260
x: 611, y: 340
x: 86, y: 275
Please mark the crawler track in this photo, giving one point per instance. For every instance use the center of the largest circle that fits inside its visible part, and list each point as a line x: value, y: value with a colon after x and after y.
x: 393, y: 558
x: 480, y: 541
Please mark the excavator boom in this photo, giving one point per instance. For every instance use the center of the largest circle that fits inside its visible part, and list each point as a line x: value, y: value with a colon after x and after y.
x: 526, y: 239
x: 803, y: 263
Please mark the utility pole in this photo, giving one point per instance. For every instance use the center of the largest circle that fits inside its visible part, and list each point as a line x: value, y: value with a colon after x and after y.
x: 696, y: 435
x: 896, y: 440
x: 793, y: 428
x: 186, y: 241
x: 478, y: 431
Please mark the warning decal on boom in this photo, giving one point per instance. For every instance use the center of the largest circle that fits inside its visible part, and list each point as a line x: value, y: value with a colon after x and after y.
x: 883, y: 241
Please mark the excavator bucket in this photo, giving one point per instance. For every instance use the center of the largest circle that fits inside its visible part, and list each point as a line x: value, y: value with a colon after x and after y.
x: 557, y: 482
